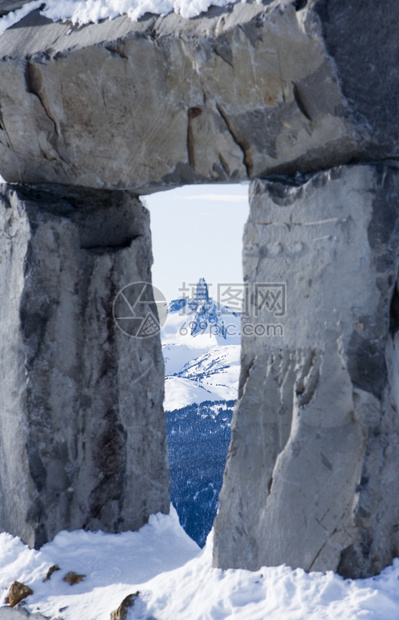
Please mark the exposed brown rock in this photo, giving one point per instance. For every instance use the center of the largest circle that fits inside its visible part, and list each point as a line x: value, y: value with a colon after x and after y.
x: 73, y: 578
x: 50, y: 571
x: 17, y: 592
x: 127, y: 603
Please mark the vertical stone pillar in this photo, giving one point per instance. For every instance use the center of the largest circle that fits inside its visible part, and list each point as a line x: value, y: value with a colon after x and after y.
x: 312, y: 473
x: 82, y: 432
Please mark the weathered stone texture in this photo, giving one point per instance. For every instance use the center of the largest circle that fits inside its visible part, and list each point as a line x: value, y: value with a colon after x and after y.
x: 236, y: 93
x: 82, y: 434
x: 243, y: 92
x: 311, y: 478
x: 11, y: 5
x: 362, y: 40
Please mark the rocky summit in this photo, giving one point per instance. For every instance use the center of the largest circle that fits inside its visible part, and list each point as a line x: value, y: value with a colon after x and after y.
x: 300, y: 98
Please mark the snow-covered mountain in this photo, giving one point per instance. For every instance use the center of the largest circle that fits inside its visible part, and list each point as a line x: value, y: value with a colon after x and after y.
x: 201, y: 347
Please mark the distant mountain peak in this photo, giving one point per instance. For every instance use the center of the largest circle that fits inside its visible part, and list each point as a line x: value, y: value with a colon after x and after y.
x: 201, y: 291
x: 203, y: 312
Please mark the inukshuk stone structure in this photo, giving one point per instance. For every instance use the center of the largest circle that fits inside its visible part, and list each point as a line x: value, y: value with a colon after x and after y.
x: 300, y: 99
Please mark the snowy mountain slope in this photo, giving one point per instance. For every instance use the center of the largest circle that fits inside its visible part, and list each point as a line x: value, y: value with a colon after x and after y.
x: 202, y: 360
x: 210, y: 376
x: 181, y: 392
x: 201, y: 347
x: 216, y: 361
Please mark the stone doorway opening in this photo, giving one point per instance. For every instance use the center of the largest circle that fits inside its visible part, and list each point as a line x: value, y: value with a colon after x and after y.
x: 197, y: 240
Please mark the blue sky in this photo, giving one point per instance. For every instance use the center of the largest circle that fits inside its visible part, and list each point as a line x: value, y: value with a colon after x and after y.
x: 197, y: 232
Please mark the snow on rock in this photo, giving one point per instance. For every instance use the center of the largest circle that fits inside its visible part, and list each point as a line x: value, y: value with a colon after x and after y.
x: 85, y: 11
x: 201, y: 592
x: 81, y: 12
x: 14, y: 17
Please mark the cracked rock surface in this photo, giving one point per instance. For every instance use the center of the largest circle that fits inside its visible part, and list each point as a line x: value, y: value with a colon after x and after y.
x: 311, y: 478
x: 237, y: 93
x: 82, y: 430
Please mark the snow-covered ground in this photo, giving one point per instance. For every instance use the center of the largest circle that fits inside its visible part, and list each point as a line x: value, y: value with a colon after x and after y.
x: 176, y: 581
